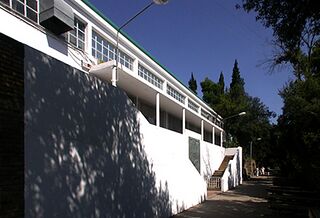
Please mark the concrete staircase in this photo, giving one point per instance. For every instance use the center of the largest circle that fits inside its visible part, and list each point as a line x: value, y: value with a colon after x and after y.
x: 215, y: 180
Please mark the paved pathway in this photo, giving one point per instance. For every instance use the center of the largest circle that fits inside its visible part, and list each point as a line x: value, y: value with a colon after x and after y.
x: 248, y: 200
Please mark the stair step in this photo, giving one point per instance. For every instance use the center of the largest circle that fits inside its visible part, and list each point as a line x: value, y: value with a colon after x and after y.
x: 215, y: 180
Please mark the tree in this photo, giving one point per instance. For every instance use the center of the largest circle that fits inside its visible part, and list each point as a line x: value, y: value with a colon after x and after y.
x: 300, y: 131
x: 237, y: 84
x: 193, y: 84
x: 240, y: 130
x: 210, y: 92
x: 296, y: 30
x: 221, y: 83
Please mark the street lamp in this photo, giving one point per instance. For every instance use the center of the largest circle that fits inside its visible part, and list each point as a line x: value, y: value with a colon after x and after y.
x: 257, y: 139
x: 232, y: 116
x: 235, y: 115
x: 115, y: 68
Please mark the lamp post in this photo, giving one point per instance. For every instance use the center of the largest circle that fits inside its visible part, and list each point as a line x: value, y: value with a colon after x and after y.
x: 258, y: 139
x: 114, y: 78
x: 235, y: 115
x: 232, y: 116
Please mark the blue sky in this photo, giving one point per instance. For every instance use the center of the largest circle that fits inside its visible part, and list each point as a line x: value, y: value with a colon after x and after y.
x: 203, y: 37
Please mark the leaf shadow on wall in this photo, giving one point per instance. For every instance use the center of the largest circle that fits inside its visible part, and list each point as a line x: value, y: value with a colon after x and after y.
x: 84, y: 155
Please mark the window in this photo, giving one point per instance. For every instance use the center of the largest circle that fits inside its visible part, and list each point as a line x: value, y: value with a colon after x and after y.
x: 105, y: 51
x: 174, y: 93
x: 77, y: 36
x: 150, y: 77
x: 193, y: 106
x: 28, y: 8
x: 207, y: 115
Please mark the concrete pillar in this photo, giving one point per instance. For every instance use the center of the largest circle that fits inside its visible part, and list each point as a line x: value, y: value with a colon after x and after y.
x: 114, y: 76
x: 89, y: 39
x: 135, y: 66
x: 221, y: 138
x: 213, y: 135
x: 183, y: 120
x: 165, y: 84
x: 158, y: 109
x: 202, y: 130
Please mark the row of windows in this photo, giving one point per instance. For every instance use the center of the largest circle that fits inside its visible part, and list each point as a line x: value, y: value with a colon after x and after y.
x: 77, y: 36
x: 105, y: 51
x: 211, y: 118
x: 150, y: 77
x: 193, y: 106
x: 174, y: 93
x: 207, y: 115
x: 28, y: 8
x: 101, y: 48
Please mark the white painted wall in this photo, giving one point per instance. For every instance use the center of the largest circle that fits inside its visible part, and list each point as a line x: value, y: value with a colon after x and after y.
x: 36, y: 37
x: 166, y: 150
x: 232, y: 177
x: 168, y: 153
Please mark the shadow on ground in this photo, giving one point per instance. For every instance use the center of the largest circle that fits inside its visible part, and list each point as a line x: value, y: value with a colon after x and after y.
x: 250, y: 200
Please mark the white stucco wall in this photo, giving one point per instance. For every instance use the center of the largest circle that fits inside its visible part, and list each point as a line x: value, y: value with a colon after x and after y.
x: 232, y: 177
x: 168, y: 152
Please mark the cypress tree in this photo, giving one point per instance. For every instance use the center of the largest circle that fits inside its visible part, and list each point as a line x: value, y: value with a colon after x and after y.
x: 221, y: 83
x: 193, y: 84
x: 237, y: 83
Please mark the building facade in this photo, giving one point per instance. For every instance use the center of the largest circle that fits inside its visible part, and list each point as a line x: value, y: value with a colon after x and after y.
x: 157, y: 140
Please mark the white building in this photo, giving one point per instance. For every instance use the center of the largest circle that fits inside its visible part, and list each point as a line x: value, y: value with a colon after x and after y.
x: 181, y: 137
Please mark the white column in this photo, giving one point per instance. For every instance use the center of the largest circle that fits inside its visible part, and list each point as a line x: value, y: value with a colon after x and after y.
x: 183, y: 120
x: 221, y: 138
x: 114, y: 76
x: 89, y: 39
x: 135, y: 66
x: 158, y: 109
x: 202, y: 130
x: 213, y: 135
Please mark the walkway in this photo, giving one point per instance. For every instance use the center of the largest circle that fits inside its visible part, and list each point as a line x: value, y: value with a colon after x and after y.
x: 248, y: 200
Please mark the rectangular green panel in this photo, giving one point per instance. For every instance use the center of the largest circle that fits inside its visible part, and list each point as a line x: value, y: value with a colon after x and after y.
x: 194, y: 152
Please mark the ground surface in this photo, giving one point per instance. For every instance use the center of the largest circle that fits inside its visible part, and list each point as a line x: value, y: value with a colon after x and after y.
x: 248, y: 200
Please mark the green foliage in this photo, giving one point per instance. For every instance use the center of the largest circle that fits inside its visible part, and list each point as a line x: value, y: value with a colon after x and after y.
x: 237, y: 84
x: 221, y: 83
x: 193, y: 84
x: 210, y: 91
x: 300, y: 129
x: 240, y: 130
x: 296, y: 28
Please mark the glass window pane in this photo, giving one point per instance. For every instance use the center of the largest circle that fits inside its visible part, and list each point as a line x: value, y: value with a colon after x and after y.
x: 99, y: 47
x: 5, y: 2
x: 73, y: 40
x: 105, y: 58
x: 80, y: 45
x: 99, y: 56
x: 81, y: 35
x: 32, y: 4
x: 32, y: 15
x: 72, y: 32
x: 18, y: 6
